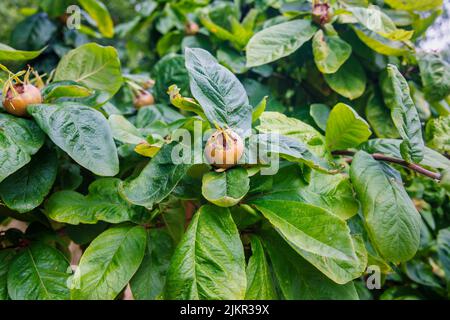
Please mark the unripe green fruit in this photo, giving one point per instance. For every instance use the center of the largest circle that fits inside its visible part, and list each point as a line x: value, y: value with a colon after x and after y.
x: 17, y: 102
x: 224, y: 149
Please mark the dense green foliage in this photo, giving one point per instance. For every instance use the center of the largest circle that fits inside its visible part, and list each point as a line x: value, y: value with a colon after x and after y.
x: 356, y: 118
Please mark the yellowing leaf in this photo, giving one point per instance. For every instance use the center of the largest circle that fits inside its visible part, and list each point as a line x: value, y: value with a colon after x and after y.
x: 147, y: 150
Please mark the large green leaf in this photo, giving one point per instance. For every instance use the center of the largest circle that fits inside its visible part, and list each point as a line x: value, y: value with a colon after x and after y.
x: 411, y: 5
x: 345, y: 128
x: 209, y: 262
x: 33, y: 33
x: 298, y: 279
x: 404, y: 114
x: 19, y: 139
x: 82, y: 132
x: 278, y: 41
x: 377, y: 21
x: 260, y: 284
x: 330, y: 52
x: 331, y: 192
x: 378, y: 115
x: 108, y: 263
x: 221, y: 95
x: 380, y: 44
x: 39, y: 272
x: 349, y: 81
x: 225, y: 189
x: 26, y: 189
x: 103, y: 203
x: 318, y: 236
x: 6, y: 256
x: 435, y: 75
x: 100, y: 14
x: 156, y: 181
x: 291, y: 127
x: 290, y: 149
x: 391, y: 219
x: 9, y: 54
x: 391, y: 147
x: 92, y: 65
x: 148, y: 282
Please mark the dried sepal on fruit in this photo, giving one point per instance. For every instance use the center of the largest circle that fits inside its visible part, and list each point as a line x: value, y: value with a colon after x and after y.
x: 321, y: 12
x: 224, y: 149
x: 148, y: 84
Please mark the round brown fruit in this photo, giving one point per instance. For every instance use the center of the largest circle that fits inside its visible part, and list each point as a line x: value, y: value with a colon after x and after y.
x: 143, y: 99
x: 224, y: 149
x: 191, y: 28
x: 16, y: 101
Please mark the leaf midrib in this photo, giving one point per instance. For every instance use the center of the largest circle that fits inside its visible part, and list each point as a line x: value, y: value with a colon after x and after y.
x: 37, y: 273
x: 308, y: 236
x: 105, y: 269
x: 94, y: 71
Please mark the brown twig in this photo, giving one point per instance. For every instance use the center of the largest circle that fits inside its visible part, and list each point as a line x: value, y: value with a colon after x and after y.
x: 403, y: 163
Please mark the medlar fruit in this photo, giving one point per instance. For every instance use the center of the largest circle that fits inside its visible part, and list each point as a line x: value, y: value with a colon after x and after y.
x: 224, y: 149
x: 19, y: 97
x: 143, y: 98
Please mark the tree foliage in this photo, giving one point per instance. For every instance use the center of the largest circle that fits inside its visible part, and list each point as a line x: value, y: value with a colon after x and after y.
x: 355, y: 115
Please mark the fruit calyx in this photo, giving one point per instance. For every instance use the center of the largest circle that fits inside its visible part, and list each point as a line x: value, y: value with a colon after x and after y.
x: 321, y: 12
x: 148, y: 84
